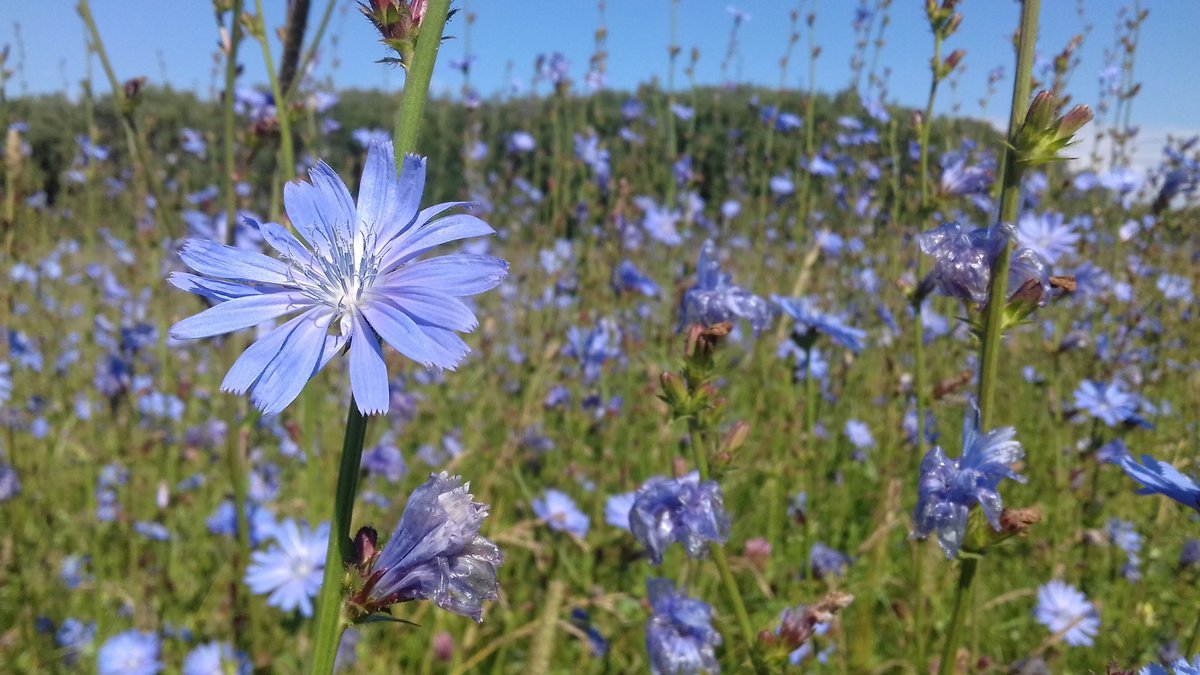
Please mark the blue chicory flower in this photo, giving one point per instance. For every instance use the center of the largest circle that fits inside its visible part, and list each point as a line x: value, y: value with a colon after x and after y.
x: 359, y: 273
x: 685, y: 510
x: 679, y: 634
x: 948, y: 488
x: 436, y: 552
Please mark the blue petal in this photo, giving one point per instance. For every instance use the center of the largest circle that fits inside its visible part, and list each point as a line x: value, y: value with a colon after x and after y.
x: 288, y: 246
x: 417, y: 241
x: 427, y: 306
x: 297, y: 361
x: 335, y: 203
x: 213, y: 289
x: 458, y: 275
x: 385, y: 204
x: 237, y: 314
x: 246, y: 369
x: 227, y: 262
x: 449, y: 348
x: 368, y: 372
x: 399, y: 331
x: 305, y: 208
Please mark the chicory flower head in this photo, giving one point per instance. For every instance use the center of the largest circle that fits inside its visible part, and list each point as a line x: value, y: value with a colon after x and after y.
x: 685, y: 510
x: 811, y: 321
x: 679, y: 635
x: 948, y: 488
x: 436, y: 552
x: 1064, y: 609
x: 963, y: 261
x: 1160, y: 478
x: 714, y: 299
x: 357, y: 274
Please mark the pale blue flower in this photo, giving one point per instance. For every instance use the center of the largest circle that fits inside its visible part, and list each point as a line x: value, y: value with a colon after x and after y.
x: 289, y: 572
x: 358, y: 276
x: 216, y: 658
x: 1048, y: 235
x: 1109, y: 402
x: 559, y: 511
x: 130, y: 653
x: 1062, y: 608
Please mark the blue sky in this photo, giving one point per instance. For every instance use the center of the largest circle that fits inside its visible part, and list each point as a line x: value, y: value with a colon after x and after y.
x: 179, y: 43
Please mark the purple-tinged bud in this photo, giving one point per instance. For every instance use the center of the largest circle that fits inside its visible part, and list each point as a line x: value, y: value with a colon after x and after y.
x: 443, y: 646
x: 955, y: 58
x: 364, y: 550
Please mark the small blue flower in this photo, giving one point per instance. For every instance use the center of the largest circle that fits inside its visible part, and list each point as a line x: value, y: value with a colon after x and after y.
x: 358, y: 274
x: 859, y: 435
x: 811, y: 321
x: 617, y: 509
x: 216, y: 658
x: 685, y: 510
x: 1162, y: 479
x: 436, y: 552
x: 289, y: 572
x: 1063, y: 609
x: 948, y: 488
x: 74, y: 636
x: 627, y: 278
x: 1125, y: 537
x: 826, y: 561
x: 1109, y: 402
x: 130, y: 653
x: 679, y: 634
x: 1048, y: 235
x: 559, y: 511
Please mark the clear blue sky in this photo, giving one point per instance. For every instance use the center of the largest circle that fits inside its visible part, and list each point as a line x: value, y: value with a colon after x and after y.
x: 177, y: 40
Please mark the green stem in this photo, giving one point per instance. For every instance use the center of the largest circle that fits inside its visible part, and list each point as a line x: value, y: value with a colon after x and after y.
x: 417, y: 78
x: 700, y: 452
x: 287, y: 160
x: 329, y: 621
x: 965, y: 579
x: 997, y: 293
x: 235, y: 38
x: 1009, y: 202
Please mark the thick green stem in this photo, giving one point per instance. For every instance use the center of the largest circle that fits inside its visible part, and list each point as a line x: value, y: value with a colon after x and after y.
x: 287, y: 159
x: 1009, y: 202
x: 417, y: 78
x: 998, y: 291
x: 965, y: 579
x: 329, y: 620
x: 235, y: 38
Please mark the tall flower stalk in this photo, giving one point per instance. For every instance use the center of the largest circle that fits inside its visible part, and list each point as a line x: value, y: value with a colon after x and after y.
x: 997, y: 293
x: 330, y: 622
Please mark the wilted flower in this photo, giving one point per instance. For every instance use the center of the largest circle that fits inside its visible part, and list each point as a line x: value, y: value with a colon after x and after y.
x: 435, y: 553
x: 679, y: 635
x: 360, y: 275
x: 685, y: 510
x: 1063, y: 609
x: 964, y: 259
x: 714, y: 299
x: 948, y: 488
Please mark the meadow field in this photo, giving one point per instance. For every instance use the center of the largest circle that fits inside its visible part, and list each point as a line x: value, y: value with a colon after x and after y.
x: 912, y: 392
